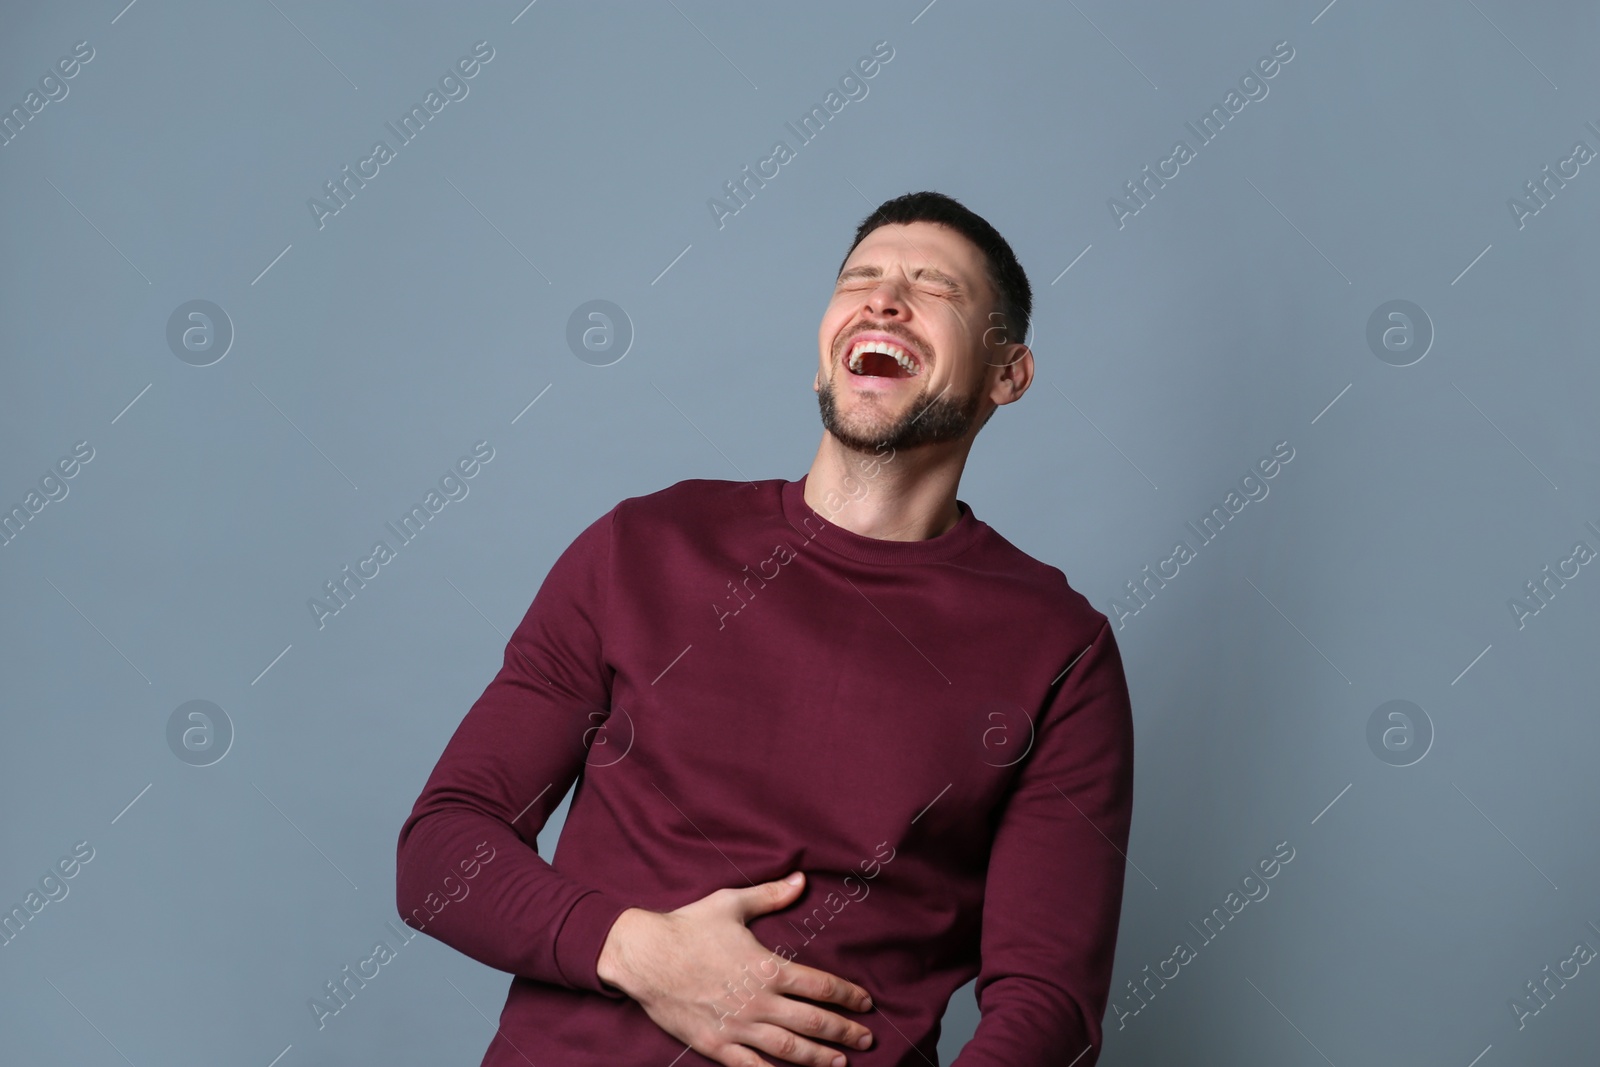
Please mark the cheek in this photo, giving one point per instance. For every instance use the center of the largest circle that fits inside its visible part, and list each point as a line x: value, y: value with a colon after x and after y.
x: 949, y: 330
x: 960, y: 354
x: 833, y: 321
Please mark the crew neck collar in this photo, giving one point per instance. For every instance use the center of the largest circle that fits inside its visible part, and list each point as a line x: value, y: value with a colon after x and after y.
x: 816, y: 526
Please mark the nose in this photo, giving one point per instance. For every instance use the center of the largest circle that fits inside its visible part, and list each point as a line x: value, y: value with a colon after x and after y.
x: 885, y: 301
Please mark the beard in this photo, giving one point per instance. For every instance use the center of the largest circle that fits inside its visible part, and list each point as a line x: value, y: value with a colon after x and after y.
x: 926, y: 421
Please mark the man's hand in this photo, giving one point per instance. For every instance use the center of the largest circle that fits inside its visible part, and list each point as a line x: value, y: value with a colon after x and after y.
x: 705, y: 979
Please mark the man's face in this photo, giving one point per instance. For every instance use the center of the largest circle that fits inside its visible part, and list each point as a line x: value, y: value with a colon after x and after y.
x: 919, y: 291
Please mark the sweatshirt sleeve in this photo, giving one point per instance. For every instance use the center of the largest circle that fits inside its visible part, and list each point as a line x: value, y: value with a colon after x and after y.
x: 1053, y: 896
x: 506, y: 767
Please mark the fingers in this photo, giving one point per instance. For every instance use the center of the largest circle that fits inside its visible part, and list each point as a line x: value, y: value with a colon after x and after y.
x: 789, y: 1047
x: 818, y: 985
x: 735, y: 1056
x: 808, y: 1020
x: 765, y: 897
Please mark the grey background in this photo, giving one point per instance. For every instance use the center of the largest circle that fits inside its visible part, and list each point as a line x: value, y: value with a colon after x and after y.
x: 427, y: 315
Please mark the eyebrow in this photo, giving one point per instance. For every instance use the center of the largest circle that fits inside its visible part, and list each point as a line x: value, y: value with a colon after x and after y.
x: 931, y: 273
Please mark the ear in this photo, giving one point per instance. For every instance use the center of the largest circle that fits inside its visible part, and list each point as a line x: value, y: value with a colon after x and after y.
x: 1012, y: 373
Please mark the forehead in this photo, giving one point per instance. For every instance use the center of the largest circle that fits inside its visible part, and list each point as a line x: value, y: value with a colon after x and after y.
x: 925, y: 245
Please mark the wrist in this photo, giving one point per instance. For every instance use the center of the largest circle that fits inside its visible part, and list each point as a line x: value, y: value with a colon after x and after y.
x: 610, y: 967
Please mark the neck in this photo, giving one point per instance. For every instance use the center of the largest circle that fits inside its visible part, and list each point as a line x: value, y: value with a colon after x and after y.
x: 893, y: 495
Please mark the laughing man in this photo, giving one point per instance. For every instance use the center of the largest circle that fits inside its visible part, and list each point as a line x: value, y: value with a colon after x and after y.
x: 894, y: 754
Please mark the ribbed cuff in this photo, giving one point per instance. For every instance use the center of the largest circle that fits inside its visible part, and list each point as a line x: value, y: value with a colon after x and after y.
x: 582, y: 936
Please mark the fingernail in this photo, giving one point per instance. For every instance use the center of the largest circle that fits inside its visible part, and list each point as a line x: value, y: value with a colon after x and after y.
x: 866, y: 1039
x: 838, y: 1061
x: 795, y: 879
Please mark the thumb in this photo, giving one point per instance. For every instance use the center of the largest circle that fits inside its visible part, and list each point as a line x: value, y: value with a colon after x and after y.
x: 769, y: 896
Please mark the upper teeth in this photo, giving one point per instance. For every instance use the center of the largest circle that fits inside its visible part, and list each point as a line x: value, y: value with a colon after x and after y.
x: 862, y: 347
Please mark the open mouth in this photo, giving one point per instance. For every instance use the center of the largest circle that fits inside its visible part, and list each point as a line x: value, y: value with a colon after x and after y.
x: 877, y: 358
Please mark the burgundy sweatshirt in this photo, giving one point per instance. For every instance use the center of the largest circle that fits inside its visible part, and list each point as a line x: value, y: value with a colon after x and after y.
x: 936, y: 732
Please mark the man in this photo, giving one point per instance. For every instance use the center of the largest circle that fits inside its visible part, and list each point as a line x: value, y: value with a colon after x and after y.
x: 846, y: 679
